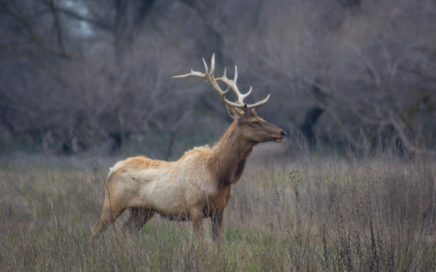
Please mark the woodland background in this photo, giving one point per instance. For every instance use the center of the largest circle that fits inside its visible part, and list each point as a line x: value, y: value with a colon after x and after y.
x: 94, y: 76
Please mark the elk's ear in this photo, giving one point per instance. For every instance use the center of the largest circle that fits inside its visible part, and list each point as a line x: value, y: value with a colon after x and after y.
x: 234, y: 112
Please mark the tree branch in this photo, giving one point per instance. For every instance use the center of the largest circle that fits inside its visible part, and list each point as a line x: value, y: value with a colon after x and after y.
x: 97, y: 23
x: 34, y: 38
x: 57, y: 25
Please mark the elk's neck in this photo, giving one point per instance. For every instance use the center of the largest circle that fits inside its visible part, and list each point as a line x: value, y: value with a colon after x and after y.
x: 228, y: 157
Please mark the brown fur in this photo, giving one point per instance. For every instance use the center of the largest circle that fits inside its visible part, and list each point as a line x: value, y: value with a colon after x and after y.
x: 227, y: 155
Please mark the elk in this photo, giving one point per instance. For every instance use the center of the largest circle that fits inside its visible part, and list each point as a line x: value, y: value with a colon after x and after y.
x: 199, y: 184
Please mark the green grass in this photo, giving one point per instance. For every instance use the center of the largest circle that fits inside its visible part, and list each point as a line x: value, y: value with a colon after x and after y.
x: 318, y: 215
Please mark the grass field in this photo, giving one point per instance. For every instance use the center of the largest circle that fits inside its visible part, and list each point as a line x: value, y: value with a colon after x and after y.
x: 306, y: 214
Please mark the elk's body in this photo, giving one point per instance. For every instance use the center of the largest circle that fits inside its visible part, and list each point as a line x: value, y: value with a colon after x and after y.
x: 196, y: 186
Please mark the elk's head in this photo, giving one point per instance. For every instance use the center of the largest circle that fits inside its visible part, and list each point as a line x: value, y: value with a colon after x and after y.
x: 254, y: 128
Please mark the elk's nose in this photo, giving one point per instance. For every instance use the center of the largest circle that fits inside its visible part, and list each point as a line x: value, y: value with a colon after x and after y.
x: 283, y: 133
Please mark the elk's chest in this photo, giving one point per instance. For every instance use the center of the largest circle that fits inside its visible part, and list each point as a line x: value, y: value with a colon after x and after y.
x: 218, y: 202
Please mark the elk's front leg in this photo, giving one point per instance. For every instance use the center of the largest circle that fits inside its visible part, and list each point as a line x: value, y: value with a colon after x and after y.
x: 217, y: 225
x: 197, y: 224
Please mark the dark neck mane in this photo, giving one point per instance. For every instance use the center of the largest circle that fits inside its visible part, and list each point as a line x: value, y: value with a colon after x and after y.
x: 227, y: 160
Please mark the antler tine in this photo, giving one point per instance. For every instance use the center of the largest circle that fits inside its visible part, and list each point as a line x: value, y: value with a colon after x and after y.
x: 212, y: 64
x: 247, y: 93
x: 192, y: 73
x: 260, y: 103
x: 206, y: 69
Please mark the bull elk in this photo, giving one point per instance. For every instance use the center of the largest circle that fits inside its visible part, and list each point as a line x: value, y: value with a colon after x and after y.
x: 199, y: 184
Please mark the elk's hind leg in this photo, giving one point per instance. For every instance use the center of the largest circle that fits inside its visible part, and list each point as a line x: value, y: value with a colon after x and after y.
x: 138, y: 218
x: 111, y: 211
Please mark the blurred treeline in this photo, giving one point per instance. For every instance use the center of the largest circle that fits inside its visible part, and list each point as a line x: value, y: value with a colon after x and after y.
x: 347, y: 74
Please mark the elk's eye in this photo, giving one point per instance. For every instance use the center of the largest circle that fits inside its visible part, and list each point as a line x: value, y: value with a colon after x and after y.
x: 255, y: 123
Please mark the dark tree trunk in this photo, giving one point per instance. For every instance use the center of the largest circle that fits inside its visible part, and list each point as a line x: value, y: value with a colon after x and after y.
x: 170, y: 145
x: 117, y: 141
x: 309, y: 122
x: 129, y: 20
x: 313, y: 114
x: 215, y: 42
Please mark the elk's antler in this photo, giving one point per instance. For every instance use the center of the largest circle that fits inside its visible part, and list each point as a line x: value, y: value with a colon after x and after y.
x: 231, y: 84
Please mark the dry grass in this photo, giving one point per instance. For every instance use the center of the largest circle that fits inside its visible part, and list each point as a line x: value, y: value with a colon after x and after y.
x: 315, y: 214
